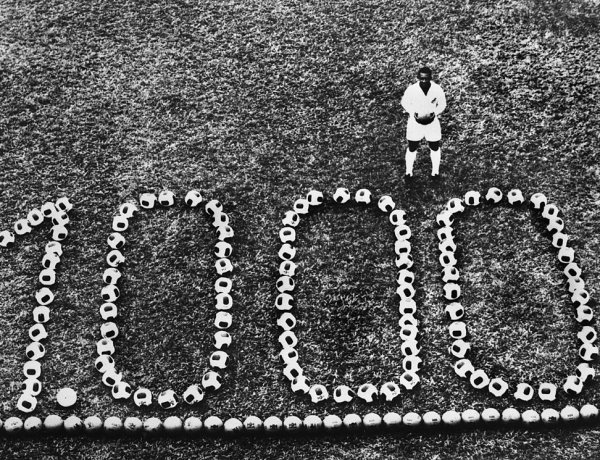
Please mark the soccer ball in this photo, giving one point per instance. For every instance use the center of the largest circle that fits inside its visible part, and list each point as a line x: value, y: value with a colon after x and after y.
x: 287, y: 252
x: 142, y: 397
x: 386, y: 204
x: 450, y: 273
x: 451, y: 418
x: 389, y: 391
x: 223, y: 301
x: 108, y: 311
x: 397, y: 217
x: 286, y: 321
x: 588, y: 352
x: 287, y: 235
x: 515, y: 197
x: 407, y: 307
x: 288, y: 339
x: 569, y: 414
x: 490, y: 415
x: 454, y: 311
x: 291, y: 219
x: 402, y: 248
x: 584, y: 314
x: 409, y: 380
x: 116, y: 240
x: 559, y: 240
x: 341, y: 195
x: 530, y: 417
x: 213, y: 424
x: 575, y: 285
x: 292, y: 423
x: 406, y: 276
x: 271, y: 424
x: 510, y: 415
x: 223, y: 249
x: 120, y: 223
x: 41, y: 314
x: 37, y: 332
x: 44, y: 296
x: 411, y: 419
x: 104, y: 363
x: 110, y: 293
x: 147, y: 200
x: 318, y: 393
x: 284, y: 302
x: 63, y: 204
x: 232, y: 426
x: 451, y: 291
x: 472, y: 198
x: 22, y: 227
x: 470, y: 416
x: 555, y: 225
x: 35, y: 217
x: 213, y: 207
x: 27, y: 403
x: 455, y: 205
x: 211, y: 381
x: 410, y: 348
x: 252, y: 423
x: 431, y: 418
x: 300, y: 385
x: 538, y: 200
x: 193, y: 198
x: 220, y: 219
x: 372, y: 420
x: 314, y: 198
x: 224, y: 232
x: 168, y: 399
x: 332, y: 422
x: 524, y: 392
x: 479, y: 379
x: 464, y: 368
x: 166, y: 198
x: 221, y: 340
x: 367, y: 392
x: 447, y: 259
x: 408, y: 320
x: 74, y: 424
x: 35, y: 351
x: 50, y: 260
x: 109, y: 330
x: 547, y: 391
x: 585, y: 372
x: 352, y: 421
x: 114, y: 258
x: 550, y: 416
x: 301, y: 206
x: 392, y: 420
x: 573, y: 385
x: 223, y: 266
x: 363, y: 196
x: 223, y: 320
x: 404, y: 260
x: 288, y: 355
x: 493, y: 195
x: 447, y: 245
x: 111, y: 377
x: 105, y: 347
x: 444, y: 219
x: 6, y: 238
x: 550, y: 211
x: 312, y: 423
x: 445, y: 233
x: 343, y: 394
x: 122, y: 390
x: 287, y: 268
x: 406, y: 291
x: 111, y: 275
x: 588, y: 411
x: 219, y: 360
x: 457, y: 330
x: 223, y: 285
x: 409, y: 333
x: 31, y: 386
x: 292, y: 370
x: 285, y: 284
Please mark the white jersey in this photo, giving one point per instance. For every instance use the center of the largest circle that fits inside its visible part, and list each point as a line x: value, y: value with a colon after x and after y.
x: 416, y: 101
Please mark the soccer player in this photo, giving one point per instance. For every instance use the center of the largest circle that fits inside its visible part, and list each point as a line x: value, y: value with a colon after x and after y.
x: 423, y: 101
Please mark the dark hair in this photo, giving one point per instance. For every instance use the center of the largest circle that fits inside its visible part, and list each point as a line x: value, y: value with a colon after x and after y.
x: 426, y: 70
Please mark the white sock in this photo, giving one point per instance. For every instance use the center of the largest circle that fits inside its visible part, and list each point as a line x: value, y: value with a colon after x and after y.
x: 410, y: 158
x: 436, y: 156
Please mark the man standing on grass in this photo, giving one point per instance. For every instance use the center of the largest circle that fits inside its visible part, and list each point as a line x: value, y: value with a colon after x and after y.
x: 423, y: 101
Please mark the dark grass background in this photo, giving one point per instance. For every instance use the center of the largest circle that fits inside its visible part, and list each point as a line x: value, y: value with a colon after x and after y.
x: 255, y: 103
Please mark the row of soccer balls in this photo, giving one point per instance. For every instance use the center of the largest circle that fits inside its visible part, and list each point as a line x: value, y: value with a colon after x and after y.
x: 284, y: 302
x: 455, y: 311
x: 219, y: 359
x: 57, y: 212
x: 293, y: 424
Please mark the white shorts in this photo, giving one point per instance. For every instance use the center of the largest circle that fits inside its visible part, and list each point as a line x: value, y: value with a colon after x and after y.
x: 431, y: 132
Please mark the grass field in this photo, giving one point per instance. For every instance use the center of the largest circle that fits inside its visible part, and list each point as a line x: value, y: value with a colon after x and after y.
x: 255, y: 104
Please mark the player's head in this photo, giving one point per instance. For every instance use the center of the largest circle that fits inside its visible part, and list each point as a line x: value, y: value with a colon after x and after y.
x: 424, y: 74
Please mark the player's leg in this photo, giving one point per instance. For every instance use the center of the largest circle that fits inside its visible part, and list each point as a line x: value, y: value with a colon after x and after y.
x: 414, y: 134
x: 434, y: 137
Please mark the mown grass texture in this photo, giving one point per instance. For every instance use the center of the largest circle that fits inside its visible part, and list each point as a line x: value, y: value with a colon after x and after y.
x: 255, y: 103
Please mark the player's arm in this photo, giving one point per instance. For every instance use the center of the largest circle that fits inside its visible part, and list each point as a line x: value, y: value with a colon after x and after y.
x: 441, y: 102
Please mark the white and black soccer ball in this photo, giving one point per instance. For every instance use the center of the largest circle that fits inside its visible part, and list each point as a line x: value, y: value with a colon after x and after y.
x: 367, y: 392
x: 211, y: 381
x: 515, y: 197
x: 472, y: 198
x: 142, y: 397
x: 147, y: 200
x: 193, y: 394
x: 300, y: 385
x: 493, y: 195
x: 315, y: 198
x: 464, y: 368
x: 363, y: 196
x: 479, y: 379
x: 386, y: 204
x: 390, y: 391
x: 166, y: 198
x: 547, y: 391
x: 524, y: 392
x: 121, y: 390
x: 341, y: 195
x: 318, y: 393
x: 193, y: 198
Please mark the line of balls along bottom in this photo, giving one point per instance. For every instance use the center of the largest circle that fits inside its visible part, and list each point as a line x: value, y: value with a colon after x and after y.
x: 273, y: 425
